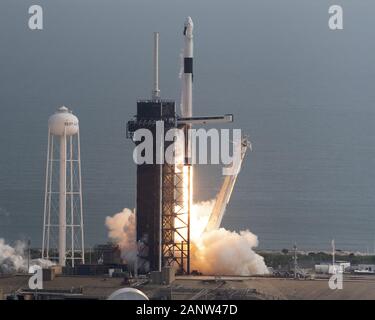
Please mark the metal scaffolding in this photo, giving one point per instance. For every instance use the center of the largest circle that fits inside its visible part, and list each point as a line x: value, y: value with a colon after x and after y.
x: 176, y: 219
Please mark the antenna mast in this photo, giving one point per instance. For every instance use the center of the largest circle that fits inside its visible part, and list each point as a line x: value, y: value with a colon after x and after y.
x: 156, y: 90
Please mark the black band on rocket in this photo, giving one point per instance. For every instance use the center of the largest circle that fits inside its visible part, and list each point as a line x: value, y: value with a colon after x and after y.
x: 188, y: 65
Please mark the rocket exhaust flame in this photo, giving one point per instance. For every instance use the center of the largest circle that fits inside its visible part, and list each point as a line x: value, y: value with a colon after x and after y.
x: 217, y: 251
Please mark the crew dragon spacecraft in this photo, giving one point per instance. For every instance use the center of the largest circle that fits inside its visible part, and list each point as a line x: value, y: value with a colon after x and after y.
x: 164, y: 191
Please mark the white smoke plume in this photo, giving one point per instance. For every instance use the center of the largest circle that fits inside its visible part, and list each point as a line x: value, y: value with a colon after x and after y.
x: 220, y: 252
x: 121, y: 229
x: 13, y: 259
x: 223, y: 252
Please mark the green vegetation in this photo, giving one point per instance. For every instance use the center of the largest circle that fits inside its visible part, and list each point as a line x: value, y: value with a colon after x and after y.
x: 284, y: 259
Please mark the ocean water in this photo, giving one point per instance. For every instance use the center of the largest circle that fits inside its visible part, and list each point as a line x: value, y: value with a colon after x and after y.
x: 304, y: 94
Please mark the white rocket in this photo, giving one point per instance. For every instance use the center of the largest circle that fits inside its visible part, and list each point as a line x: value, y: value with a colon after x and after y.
x: 187, y: 119
x: 187, y: 83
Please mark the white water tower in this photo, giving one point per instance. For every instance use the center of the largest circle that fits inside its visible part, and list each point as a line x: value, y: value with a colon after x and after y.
x: 63, y: 237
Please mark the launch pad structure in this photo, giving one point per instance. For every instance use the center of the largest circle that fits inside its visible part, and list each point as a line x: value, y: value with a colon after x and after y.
x: 164, y: 191
x: 159, y: 197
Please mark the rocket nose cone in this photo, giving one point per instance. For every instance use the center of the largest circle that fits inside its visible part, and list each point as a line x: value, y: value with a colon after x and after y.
x: 189, y: 22
x: 188, y: 27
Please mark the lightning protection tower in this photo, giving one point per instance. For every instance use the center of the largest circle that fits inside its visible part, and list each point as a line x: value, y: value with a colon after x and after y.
x: 63, y: 238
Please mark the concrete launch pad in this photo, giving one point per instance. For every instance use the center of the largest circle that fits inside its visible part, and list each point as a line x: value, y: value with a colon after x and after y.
x: 201, y: 287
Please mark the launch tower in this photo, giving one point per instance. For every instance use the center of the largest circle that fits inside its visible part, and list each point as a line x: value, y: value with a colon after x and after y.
x: 164, y: 191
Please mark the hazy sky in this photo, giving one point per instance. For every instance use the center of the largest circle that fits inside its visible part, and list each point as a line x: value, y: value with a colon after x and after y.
x: 302, y: 92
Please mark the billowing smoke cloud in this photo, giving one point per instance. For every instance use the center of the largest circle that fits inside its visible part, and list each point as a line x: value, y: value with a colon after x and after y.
x: 121, y: 229
x: 13, y: 259
x: 215, y: 252
x: 226, y: 252
x: 221, y: 251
